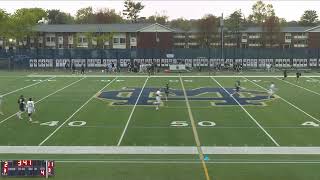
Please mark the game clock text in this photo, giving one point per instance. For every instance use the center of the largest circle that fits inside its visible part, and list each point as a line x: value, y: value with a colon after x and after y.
x: 27, y: 168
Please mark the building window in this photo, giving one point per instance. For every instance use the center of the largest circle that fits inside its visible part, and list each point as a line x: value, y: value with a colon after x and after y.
x: 60, y: 46
x: 69, y: 46
x: 122, y: 40
x: 40, y: 45
x: 50, y: 39
x: 115, y: 40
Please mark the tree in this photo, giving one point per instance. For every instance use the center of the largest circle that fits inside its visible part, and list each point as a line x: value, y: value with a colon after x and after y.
x: 4, y: 20
x: 208, y: 25
x: 85, y: 16
x: 55, y: 16
x: 158, y: 18
x: 235, y: 23
x: 132, y: 10
x: 260, y: 12
x: 22, y: 22
x: 181, y: 24
x: 107, y: 16
x: 309, y: 18
x: 271, y: 28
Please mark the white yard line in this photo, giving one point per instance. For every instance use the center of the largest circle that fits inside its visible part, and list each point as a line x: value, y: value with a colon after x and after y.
x: 299, y: 86
x: 285, y: 101
x: 272, y: 139
x: 155, y: 150
x: 57, y: 129
x: 27, y: 86
x: 44, y: 98
x: 132, y: 111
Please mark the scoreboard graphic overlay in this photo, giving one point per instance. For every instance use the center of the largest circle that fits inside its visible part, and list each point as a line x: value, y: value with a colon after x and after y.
x: 27, y: 168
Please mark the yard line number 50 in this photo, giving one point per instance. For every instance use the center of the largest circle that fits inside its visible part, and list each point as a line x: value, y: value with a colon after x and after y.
x: 72, y: 124
x: 185, y: 124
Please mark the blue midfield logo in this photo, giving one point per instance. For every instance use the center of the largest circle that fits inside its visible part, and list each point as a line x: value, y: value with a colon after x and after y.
x: 217, y: 96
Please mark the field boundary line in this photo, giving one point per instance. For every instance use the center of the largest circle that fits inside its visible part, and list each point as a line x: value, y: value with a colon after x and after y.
x: 184, y: 162
x: 156, y: 150
x: 30, y: 85
x: 44, y: 98
x: 166, y: 76
x: 131, y: 114
x: 56, y: 130
x: 257, y: 123
x: 299, y: 86
x: 195, y: 132
x: 309, y: 115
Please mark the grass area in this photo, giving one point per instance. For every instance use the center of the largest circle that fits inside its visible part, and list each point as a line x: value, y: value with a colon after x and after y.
x: 119, y: 111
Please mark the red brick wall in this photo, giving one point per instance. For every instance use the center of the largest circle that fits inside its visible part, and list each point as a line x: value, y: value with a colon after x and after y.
x: 314, y: 40
x: 148, y: 40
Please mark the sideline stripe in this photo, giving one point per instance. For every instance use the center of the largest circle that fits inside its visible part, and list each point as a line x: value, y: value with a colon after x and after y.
x: 184, y: 162
x: 166, y: 76
x: 274, y: 141
x: 132, y: 111
x: 299, y: 86
x: 27, y: 86
x: 44, y: 98
x: 285, y: 101
x: 48, y: 137
x: 156, y: 150
x: 195, y: 132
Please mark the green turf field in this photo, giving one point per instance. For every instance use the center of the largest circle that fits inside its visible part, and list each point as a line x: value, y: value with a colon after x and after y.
x: 201, y: 132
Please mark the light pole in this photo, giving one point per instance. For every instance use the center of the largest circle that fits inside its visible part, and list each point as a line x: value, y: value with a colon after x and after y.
x: 222, y: 43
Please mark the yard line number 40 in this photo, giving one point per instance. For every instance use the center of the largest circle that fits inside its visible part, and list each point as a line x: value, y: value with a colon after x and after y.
x: 185, y: 124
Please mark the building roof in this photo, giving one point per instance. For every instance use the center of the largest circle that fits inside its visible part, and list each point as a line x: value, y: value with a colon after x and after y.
x: 90, y: 27
x: 136, y: 27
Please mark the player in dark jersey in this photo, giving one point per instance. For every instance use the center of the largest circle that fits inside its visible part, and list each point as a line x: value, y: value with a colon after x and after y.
x: 298, y: 74
x: 166, y: 91
x: 237, y: 88
x: 21, y: 103
x: 285, y: 74
x: 82, y: 69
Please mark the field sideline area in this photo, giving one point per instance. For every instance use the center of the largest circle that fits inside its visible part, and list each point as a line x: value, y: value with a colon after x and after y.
x: 101, y: 126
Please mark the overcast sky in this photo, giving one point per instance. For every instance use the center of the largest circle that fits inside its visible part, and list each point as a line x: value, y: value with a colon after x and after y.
x: 290, y: 10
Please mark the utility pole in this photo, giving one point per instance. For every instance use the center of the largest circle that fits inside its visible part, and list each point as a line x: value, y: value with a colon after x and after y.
x: 222, y: 43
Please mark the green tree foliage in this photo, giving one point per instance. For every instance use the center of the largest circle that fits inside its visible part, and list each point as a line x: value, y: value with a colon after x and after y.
x: 207, y: 26
x: 107, y: 16
x: 23, y: 20
x: 181, y: 23
x: 132, y: 10
x: 260, y: 11
x: 158, y: 18
x: 85, y: 16
x: 55, y: 16
x: 309, y: 18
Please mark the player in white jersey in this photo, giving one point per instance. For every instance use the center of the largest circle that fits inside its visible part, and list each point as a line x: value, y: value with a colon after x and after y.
x: 158, y: 99
x: 30, y: 108
x: 1, y: 99
x: 272, y: 90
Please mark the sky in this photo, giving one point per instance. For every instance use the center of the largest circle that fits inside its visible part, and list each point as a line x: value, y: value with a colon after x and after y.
x: 290, y: 10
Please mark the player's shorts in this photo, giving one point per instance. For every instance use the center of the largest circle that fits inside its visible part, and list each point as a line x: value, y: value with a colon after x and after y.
x: 237, y: 89
x: 270, y: 92
x: 21, y: 109
x: 30, y: 111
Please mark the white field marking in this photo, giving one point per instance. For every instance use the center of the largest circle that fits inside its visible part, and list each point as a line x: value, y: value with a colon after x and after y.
x: 45, y: 98
x: 272, y: 139
x: 27, y: 86
x: 132, y: 111
x: 299, y: 86
x: 48, y: 137
x: 195, y: 132
x: 183, y: 162
x: 286, y: 102
x: 159, y: 150
x: 166, y: 76
x: 312, y: 79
